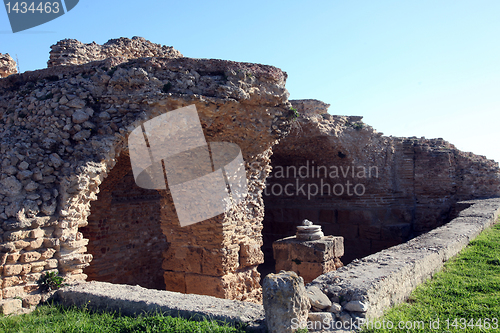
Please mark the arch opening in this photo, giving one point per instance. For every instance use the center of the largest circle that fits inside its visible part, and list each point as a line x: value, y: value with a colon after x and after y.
x: 125, y: 238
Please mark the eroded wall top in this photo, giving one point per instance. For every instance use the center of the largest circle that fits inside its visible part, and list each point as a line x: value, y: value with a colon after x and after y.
x: 73, y: 52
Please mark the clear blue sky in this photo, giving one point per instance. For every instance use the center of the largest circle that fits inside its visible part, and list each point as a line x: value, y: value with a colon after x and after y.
x: 411, y: 68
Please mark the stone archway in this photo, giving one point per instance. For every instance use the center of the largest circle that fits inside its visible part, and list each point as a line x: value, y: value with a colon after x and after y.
x: 64, y: 140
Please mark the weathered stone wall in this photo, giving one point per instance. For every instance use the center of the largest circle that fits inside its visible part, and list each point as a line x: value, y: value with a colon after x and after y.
x: 73, y: 52
x: 400, y: 188
x: 62, y: 130
x: 7, y: 65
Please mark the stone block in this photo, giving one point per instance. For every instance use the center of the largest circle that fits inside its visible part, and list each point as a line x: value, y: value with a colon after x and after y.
x: 74, y: 245
x: 10, y: 270
x: 281, y: 251
x: 13, y: 258
x: 30, y: 288
x: 205, y: 285
x: 285, y: 301
x: 37, y: 233
x: 10, y: 306
x: 319, y: 250
x: 47, y: 254
x: 51, y: 263
x: 38, y: 266
x: 31, y: 300
x: 317, y: 298
x: 183, y: 259
x: 356, y: 306
x: 12, y: 236
x: 250, y: 255
x: 319, y: 321
x: 21, y: 244
x: 32, y: 278
x: 51, y: 242
x: 8, y: 247
x: 335, y: 308
x: 175, y: 281
x: 35, y: 244
x: 217, y: 262
x: 311, y: 270
x: 3, y: 258
x: 25, y: 269
x: 30, y: 256
x: 12, y: 281
x: 12, y: 292
x: 309, y: 259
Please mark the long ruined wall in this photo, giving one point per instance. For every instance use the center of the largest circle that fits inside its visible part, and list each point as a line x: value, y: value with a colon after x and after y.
x: 62, y: 130
x: 375, y: 191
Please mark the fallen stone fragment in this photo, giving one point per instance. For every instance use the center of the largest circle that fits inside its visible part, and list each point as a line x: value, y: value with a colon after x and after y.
x: 285, y: 301
x: 317, y: 298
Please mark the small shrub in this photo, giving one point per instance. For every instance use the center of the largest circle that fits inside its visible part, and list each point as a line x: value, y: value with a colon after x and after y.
x: 51, y: 281
x: 293, y: 114
x: 358, y: 126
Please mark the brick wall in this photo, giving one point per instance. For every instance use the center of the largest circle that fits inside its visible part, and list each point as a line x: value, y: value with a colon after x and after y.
x: 126, y: 240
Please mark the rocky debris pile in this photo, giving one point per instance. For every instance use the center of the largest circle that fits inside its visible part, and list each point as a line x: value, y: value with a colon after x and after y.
x: 73, y: 52
x: 7, y: 65
x: 290, y: 306
x: 330, y: 310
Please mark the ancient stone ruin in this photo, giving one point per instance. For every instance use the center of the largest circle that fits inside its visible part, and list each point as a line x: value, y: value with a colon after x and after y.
x: 375, y: 191
x: 69, y: 203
